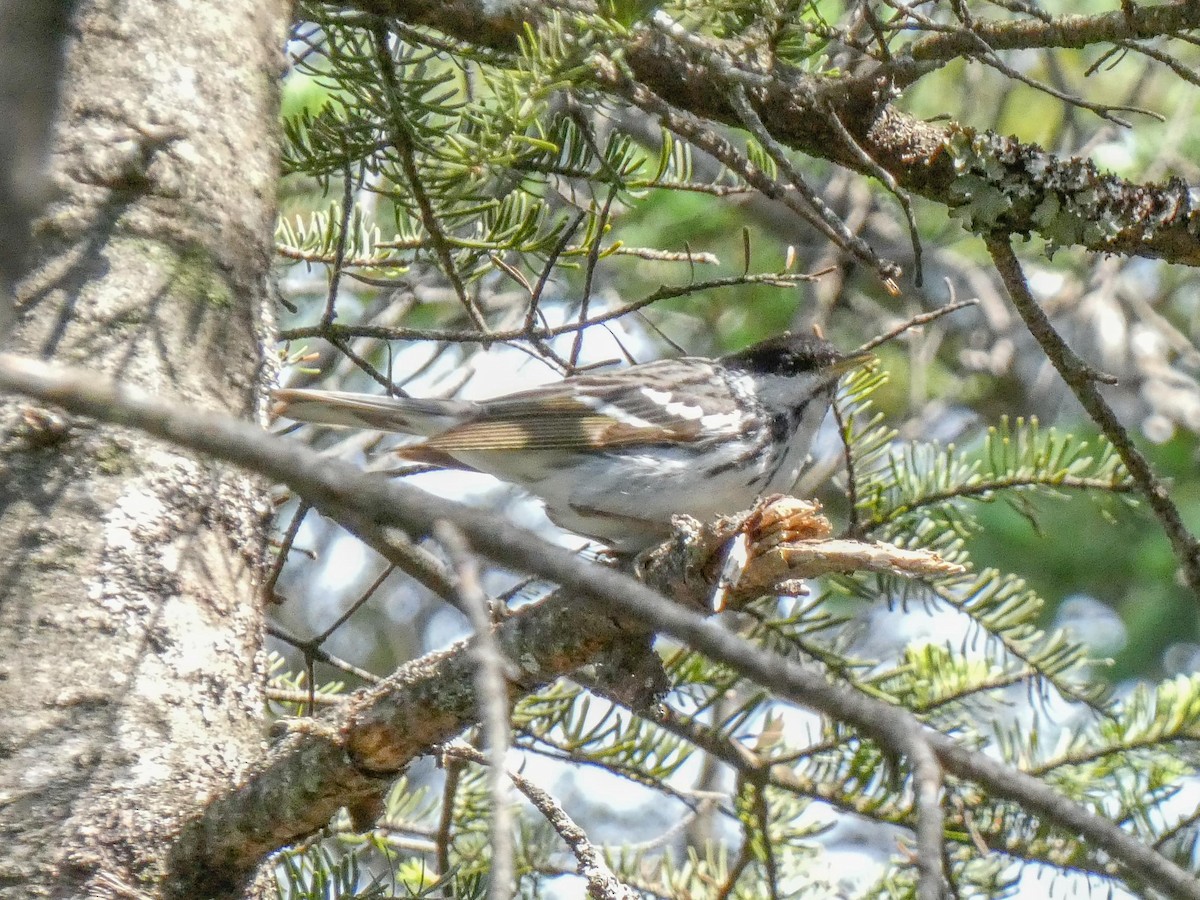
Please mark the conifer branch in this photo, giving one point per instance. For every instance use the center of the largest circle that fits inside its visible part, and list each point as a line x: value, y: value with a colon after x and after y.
x: 321, y: 767
x: 1149, y: 220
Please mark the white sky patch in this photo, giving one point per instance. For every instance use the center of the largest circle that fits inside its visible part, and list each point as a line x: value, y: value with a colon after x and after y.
x: 345, y: 560
x: 445, y: 627
x: 1045, y: 282
x: 1116, y: 155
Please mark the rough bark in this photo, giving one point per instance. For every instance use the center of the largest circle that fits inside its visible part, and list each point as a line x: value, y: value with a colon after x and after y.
x: 130, y: 629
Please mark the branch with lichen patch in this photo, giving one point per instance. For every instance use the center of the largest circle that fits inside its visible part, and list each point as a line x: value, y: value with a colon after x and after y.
x: 1152, y: 220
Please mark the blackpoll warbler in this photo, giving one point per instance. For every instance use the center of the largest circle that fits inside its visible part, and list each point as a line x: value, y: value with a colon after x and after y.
x: 615, y: 454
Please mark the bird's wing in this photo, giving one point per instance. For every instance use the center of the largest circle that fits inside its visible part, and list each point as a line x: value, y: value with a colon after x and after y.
x: 407, y: 415
x: 654, y: 403
x: 594, y: 411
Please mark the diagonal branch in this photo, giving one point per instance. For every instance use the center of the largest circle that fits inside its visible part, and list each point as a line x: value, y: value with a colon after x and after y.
x: 323, y: 766
x: 1081, y: 379
x: 402, y: 137
x: 602, y: 882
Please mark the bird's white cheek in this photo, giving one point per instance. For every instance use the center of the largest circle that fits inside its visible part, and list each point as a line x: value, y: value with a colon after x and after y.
x: 778, y: 392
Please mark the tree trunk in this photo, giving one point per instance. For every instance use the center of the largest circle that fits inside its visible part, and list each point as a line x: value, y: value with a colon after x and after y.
x: 130, y: 626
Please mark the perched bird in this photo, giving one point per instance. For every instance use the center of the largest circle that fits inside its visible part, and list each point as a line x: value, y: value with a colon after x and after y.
x: 614, y: 455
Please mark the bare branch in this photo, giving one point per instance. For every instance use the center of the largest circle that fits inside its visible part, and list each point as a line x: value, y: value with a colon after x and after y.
x: 931, y: 819
x: 916, y: 322
x: 490, y: 687
x: 602, y: 882
x: 322, y: 767
x: 401, y: 135
x: 813, y: 210
x: 1081, y: 379
x: 458, y: 335
x: 1136, y: 21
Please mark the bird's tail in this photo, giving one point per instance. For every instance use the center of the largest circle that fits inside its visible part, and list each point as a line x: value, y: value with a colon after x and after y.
x: 407, y: 415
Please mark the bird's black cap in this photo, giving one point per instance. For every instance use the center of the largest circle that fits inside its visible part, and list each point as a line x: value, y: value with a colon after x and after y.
x: 791, y: 354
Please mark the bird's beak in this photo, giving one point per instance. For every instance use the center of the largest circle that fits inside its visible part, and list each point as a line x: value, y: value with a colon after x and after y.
x: 851, y: 362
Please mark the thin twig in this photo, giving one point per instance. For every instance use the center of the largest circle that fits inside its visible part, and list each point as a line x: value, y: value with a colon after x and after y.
x: 887, y: 180
x: 995, y: 485
x: 981, y: 50
x: 915, y: 322
x: 285, y: 548
x: 707, y: 53
x: 347, y: 351
x: 853, y: 525
x: 762, y: 812
x: 299, y: 254
x: 952, y: 597
x: 458, y: 335
x: 592, y: 258
x: 836, y: 228
x: 443, y: 836
x: 312, y: 651
x: 402, y: 138
x: 544, y: 745
x: 491, y: 689
x: 851, y: 475
x: 602, y: 882
x: 744, y: 858
x: 396, y: 547
x: 535, y: 296
x: 354, y: 607
x: 339, y: 253
x: 931, y: 818
x: 701, y: 135
x: 283, y: 695
x: 1081, y: 379
x: 1176, y: 830
x: 1162, y: 20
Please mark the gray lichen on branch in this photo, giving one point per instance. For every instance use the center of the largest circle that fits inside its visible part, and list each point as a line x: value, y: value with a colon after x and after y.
x: 1035, y: 190
x: 1002, y: 184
